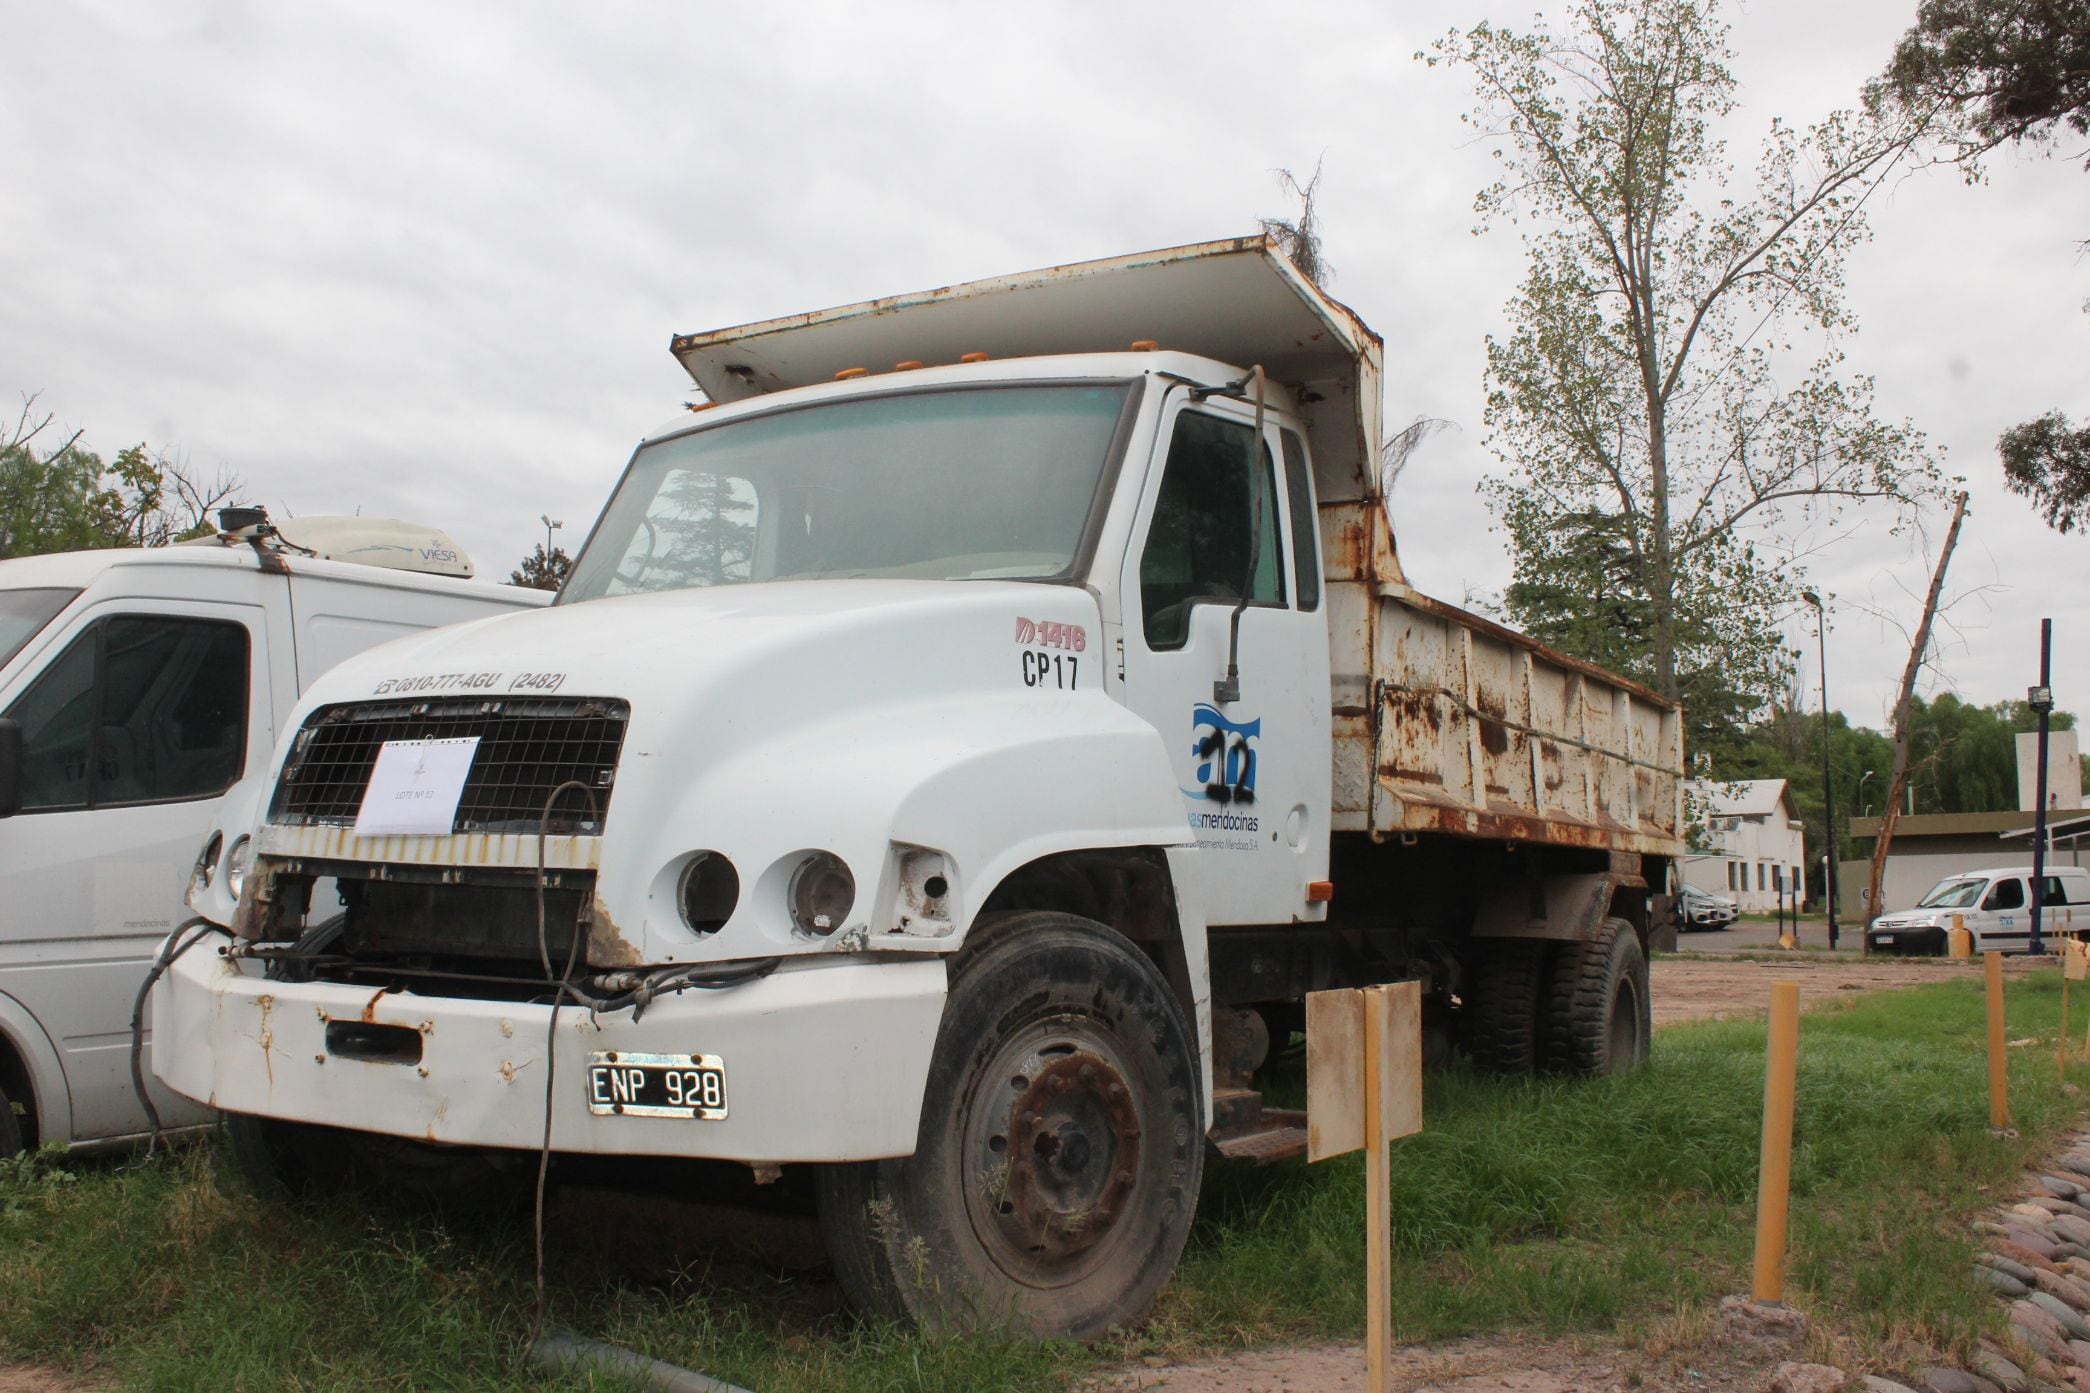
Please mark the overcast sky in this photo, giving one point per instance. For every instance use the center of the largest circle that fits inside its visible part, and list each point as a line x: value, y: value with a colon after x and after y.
x: 425, y: 260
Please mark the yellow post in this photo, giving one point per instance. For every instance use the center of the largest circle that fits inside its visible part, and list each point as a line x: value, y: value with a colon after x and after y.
x: 1998, y: 1073
x: 1774, y: 1171
x: 1959, y: 943
x: 1378, y: 1219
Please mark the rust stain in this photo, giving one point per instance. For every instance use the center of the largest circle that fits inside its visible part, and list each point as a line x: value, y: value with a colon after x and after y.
x: 370, y: 1007
x: 267, y: 1037
x: 607, y: 946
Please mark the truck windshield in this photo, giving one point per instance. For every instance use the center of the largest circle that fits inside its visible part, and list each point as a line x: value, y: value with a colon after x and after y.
x: 1952, y: 894
x: 958, y: 484
x: 24, y: 612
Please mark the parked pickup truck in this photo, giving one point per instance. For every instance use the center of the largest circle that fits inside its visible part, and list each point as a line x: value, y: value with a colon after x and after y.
x: 140, y: 689
x: 961, y: 745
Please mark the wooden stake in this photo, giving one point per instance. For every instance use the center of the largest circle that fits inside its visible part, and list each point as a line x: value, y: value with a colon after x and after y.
x: 2061, y: 1046
x: 1378, y: 1216
x: 1774, y: 1170
x: 1998, y: 1070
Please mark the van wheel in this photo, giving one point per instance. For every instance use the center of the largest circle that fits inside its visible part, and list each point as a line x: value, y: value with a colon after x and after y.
x: 1597, y: 1009
x: 1060, y: 1151
x: 10, y: 1128
x: 1500, y: 1005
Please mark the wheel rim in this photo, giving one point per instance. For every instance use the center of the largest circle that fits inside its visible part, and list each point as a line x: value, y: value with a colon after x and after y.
x: 1625, y: 1025
x: 1052, y: 1150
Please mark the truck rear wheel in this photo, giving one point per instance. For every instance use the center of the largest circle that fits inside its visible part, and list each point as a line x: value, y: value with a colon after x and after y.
x: 1597, y: 1007
x: 1500, y: 1005
x: 1061, y: 1146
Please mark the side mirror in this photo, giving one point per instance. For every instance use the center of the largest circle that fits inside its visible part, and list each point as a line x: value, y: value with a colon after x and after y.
x: 10, y: 767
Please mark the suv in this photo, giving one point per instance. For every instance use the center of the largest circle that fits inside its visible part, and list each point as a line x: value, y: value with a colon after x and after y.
x: 1995, y: 906
x: 1702, y: 909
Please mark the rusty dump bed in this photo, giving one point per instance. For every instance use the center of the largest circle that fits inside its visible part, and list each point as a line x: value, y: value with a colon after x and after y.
x: 1466, y: 727
x: 1445, y: 722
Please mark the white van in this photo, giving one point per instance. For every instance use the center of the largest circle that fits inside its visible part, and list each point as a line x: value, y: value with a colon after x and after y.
x: 138, y: 688
x: 1995, y: 906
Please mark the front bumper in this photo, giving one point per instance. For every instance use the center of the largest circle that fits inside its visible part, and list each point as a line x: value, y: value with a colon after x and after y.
x: 1921, y: 942
x: 824, y: 1060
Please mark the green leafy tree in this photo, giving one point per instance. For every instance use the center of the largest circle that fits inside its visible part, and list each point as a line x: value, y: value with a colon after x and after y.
x: 2010, y: 71
x: 1988, y: 73
x: 65, y: 498
x: 1671, y: 367
x: 2048, y: 461
x: 542, y: 570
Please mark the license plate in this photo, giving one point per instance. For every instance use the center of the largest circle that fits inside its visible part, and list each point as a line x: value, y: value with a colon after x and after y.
x: 657, y: 1085
x: 1883, y: 940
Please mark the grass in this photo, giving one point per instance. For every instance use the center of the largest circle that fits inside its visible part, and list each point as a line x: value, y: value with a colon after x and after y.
x: 1535, y: 1205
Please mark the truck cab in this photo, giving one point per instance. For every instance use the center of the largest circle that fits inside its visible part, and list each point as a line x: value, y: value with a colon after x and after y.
x: 140, y: 692
x: 966, y: 735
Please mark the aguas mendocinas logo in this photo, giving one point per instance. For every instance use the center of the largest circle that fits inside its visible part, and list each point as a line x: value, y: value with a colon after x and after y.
x: 1224, y: 755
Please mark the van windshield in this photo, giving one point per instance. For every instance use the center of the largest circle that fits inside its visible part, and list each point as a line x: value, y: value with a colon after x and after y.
x: 1957, y: 893
x: 957, y: 484
x: 24, y: 612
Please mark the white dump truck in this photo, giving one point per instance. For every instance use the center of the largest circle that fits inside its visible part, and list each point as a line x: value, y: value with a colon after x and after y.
x: 961, y: 745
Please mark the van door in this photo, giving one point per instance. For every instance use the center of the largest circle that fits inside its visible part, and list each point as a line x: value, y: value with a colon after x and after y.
x: 144, y: 713
x: 2005, y: 916
x: 1253, y: 772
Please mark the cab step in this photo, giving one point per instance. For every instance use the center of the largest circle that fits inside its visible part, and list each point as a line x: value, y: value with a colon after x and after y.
x: 1274, y: 1134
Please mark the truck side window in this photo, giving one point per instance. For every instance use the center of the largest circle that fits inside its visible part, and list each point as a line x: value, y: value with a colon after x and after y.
x: 2053, y: 891
x: 1198, y: 544
x: 2007, y: 894
x: 138, y: 709
x: 1306, y: 524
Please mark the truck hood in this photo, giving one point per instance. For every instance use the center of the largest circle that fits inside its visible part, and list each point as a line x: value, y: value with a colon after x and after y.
x: 895, y: 723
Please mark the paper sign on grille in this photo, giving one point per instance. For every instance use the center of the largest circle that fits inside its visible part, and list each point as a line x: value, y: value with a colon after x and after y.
x: 414, y: 787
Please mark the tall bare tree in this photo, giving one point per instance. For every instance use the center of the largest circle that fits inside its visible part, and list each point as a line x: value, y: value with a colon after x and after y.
x: 1671, y: 384
x: 1919, y: 653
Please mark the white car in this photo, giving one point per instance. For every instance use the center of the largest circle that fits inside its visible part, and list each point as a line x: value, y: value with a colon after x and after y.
x: 138, y: 689
x: 1701, y: 909
x: 1994, y: 905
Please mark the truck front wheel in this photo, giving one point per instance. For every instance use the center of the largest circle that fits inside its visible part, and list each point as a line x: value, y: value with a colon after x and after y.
x: 1597, y: 1007
x: 1060, y: 1151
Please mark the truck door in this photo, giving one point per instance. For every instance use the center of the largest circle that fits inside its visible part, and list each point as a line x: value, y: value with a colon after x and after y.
x: 131, y: 730
x: 1253, y: 772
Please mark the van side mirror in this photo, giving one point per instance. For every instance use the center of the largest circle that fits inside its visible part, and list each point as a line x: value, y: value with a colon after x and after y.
x: 10, y: 767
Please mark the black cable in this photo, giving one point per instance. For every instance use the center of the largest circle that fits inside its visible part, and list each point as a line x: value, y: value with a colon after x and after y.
x: 169, y: 952
x: 551, y: 1031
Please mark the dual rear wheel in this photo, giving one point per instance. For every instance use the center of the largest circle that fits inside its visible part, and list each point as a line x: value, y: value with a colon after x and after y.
x: 1572, y: 1008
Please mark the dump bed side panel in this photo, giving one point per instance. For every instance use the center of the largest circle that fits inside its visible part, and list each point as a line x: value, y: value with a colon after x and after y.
x: 1464, y: 727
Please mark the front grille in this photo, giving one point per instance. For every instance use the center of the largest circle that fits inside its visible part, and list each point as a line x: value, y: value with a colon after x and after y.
x: 526, y: 749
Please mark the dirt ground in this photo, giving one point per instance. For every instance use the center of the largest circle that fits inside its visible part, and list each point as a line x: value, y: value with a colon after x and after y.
x: 1500, y: 1365
x: 1691, y: 989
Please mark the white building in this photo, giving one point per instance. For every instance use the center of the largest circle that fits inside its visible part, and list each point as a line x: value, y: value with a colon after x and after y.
x: 1754, y: 833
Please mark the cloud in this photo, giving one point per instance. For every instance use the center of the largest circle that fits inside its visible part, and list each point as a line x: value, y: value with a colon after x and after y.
x: 426, y: 260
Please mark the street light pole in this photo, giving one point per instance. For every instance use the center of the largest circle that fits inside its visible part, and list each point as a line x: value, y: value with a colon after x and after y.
x: 2041, y: 699
x: 549, y: 525
x: 1828, y: 787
